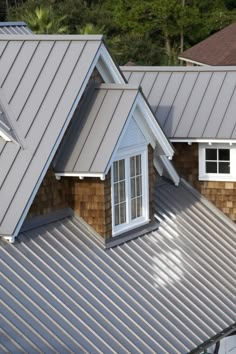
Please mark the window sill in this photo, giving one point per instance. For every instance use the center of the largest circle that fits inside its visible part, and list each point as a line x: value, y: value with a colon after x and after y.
x: 217, y: 178
x: 131, y: 234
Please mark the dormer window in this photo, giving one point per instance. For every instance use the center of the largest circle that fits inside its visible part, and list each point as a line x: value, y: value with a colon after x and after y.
x: 130, y: 207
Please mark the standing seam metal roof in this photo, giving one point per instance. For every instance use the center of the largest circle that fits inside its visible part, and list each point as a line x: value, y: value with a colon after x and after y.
x: 14, y: 28
x: 197, y: 103
x: 166, y: 292
x: 40, y: 80
x: 94, y: 136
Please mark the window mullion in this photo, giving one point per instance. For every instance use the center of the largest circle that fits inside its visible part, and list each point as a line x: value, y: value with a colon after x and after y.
x: 127, y: 182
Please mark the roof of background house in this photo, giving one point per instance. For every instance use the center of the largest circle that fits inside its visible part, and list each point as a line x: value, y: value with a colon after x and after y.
x: 14, y: 28
x: 166, y: 292
x: 41, y: 81
x: 218, y: 49
x: 95, y: 136
x: 190, y: 102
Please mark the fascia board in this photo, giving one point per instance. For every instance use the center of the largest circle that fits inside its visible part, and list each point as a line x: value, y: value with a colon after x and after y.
x: 207, y: 141
x: 155, y: 127
x: 5, y: 136
x: 57, y: 143
x: 170, y: 169
x: 193, y: 61
x: 107, y: 68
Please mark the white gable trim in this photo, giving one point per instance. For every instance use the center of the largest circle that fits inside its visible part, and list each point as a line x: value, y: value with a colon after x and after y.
x: 163, y: 161
x: 4, y: 136
x: 154, y: 127
x: 107, y: 68
x: 150, y: 128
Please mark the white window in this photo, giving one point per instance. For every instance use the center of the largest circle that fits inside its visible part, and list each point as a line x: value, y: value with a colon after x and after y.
x: 217, y: 162
x: 130, y: 200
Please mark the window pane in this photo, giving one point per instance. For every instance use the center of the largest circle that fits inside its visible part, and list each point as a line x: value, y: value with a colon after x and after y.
x: 211, y: 167
x: 117, y: 219
x: 115, y: 171
x: 138, y: 165
x: 133, y: 193
x: 132, y: 166
x: 122, y: 191
x: 224, y: 154
x: 116, y: 193
x: 224, y: 167
x: 133, y: 209
x: 139, y: 207
x: 139, y: 185
x: 122, y: 213
x: 211, y: 154
x: 121, y: 169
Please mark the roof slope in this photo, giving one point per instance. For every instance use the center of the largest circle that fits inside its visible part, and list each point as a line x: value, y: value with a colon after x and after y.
x: 14, y: 28
x: 166, y: 292
x: 41, y: 80
x: 190, y: 102
x: 94, y: 135
x: 218, y: 49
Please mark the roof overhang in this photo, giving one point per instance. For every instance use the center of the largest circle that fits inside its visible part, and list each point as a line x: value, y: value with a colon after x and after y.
x: 205, y: 141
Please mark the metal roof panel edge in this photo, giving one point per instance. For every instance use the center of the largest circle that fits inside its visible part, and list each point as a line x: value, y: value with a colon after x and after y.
x: 13, y: 24
x: 177, y: 68
x: 53, y: 37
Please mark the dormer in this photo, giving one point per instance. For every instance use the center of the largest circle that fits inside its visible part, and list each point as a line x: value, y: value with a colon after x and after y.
x: 110, y: 154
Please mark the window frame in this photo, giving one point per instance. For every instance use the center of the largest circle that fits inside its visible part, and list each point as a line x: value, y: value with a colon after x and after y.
x: 126, y: 154
x: 224, y: 177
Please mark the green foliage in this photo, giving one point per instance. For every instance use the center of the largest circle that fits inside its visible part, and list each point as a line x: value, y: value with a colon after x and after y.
x: 149, y: 32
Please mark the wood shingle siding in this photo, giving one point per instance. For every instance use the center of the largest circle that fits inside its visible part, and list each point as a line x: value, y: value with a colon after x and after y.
x: 222, y: 194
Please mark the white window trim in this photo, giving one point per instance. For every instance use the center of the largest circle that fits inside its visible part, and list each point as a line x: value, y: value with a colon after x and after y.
x: 144, y: 219
x: 224, y: 177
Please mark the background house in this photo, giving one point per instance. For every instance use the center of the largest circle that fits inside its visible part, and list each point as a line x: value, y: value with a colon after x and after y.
x: 195, y: 108
x: 218, y: 49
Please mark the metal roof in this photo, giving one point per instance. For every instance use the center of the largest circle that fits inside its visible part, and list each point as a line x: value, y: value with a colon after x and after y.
x: 14, y: 28
x: 96, y: 131
x: 190, y: 102
x: 41, y: 80
x: 166, y: 292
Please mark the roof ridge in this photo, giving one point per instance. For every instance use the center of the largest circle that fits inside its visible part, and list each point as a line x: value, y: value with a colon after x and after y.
x: 46, y: 37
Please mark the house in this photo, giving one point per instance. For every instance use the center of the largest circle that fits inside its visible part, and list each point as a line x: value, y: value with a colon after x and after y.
x: 218, y: 49
x: 195, y: 106
x: 14, y: 28
x: 109, y: 250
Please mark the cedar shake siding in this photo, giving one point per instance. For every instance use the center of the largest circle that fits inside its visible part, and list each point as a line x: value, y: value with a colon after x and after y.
x: 90, y: 198
x: 222, y: 194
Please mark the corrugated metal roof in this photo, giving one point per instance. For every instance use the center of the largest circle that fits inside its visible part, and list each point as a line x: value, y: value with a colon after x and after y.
x: 94, y: 136
x: 190, y: 102
x: 166, y: 292
x: 14, y: 28
x: 41, y: 78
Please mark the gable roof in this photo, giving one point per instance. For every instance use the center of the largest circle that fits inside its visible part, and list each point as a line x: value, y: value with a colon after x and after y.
x: 218, y: 49
x: 14, y: 28
x: 190, y: 102
x: 166, y: 292
x: 96, y: 132
x: 41, y: 81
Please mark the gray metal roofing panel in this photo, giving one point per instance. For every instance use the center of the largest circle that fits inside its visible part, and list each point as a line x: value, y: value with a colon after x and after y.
x: 38, y: 113
x: 14, y: 28
x: 166, y: 292
x: 190, y: 102
x: 89, y: 146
